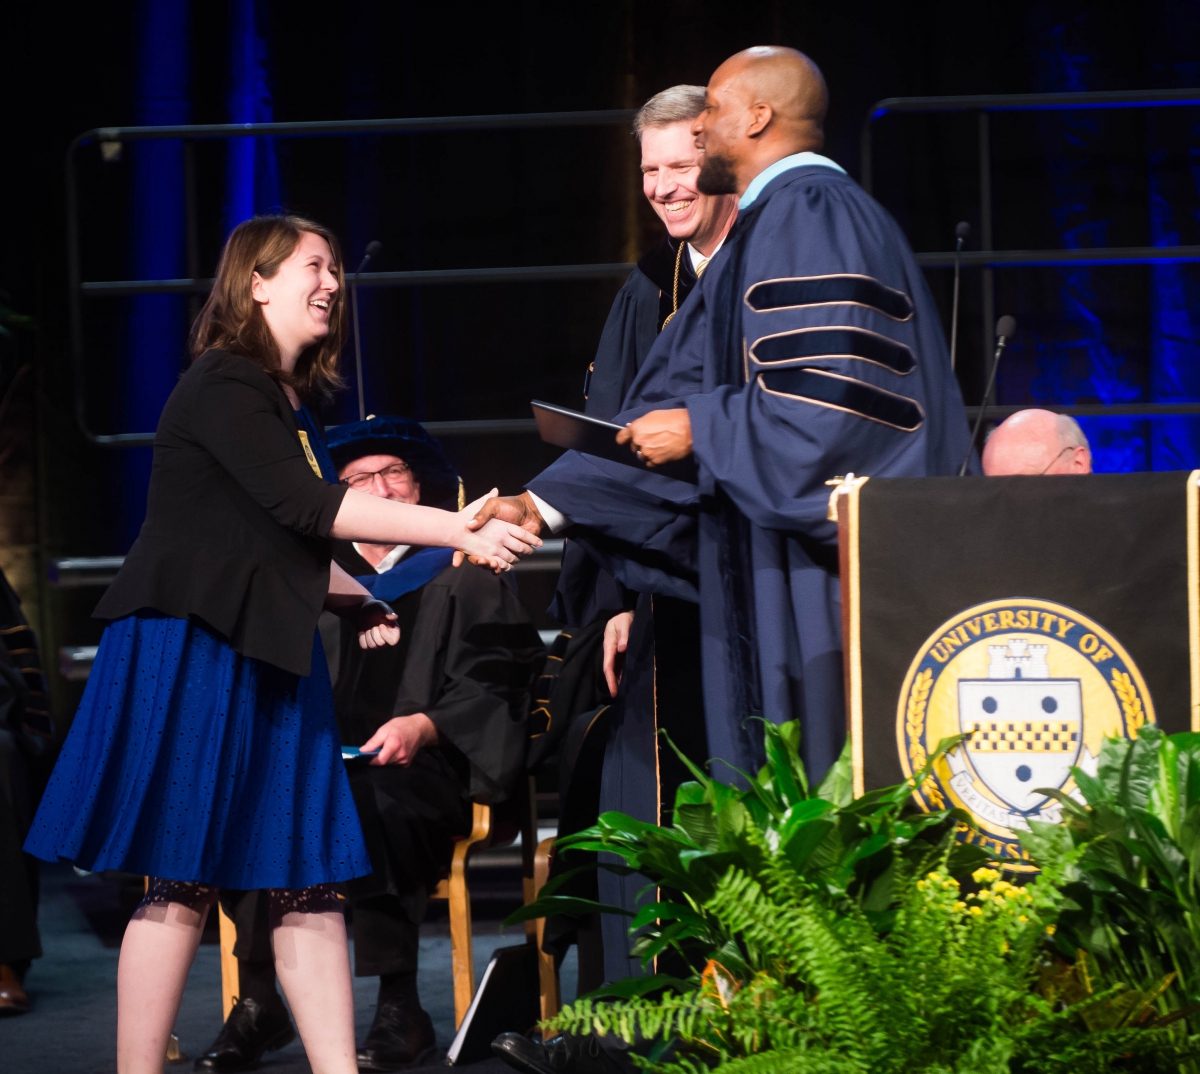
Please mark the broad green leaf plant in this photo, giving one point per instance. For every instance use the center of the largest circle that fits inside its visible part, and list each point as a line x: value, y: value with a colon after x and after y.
x: 1127, y: 859
x: 853, y: 851
x: 834, y: 935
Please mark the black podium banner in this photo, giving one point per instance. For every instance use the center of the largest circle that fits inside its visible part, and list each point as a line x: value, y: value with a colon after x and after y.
x: 1040, y: 614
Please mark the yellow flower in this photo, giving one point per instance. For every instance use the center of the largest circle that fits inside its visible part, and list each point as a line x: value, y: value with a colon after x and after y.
x: 1022, y: 919
x: 959, y: 906
x: 977, y: 909
x: 985, y: 875
x: 1051, y: 929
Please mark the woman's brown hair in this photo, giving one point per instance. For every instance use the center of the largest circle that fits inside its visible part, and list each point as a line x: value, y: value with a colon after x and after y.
x: 232, y: 321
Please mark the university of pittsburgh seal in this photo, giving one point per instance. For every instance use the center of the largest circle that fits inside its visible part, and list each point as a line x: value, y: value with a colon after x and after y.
x: 1038, y: 687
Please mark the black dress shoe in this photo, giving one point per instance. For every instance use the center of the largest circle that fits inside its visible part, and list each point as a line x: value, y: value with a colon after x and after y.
x: 400, y: 1036
x: 564, y: 1054
x: 251, y: 1029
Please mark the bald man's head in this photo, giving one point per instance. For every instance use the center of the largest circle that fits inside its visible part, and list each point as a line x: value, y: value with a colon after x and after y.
x: 763, y: 104
x: 1037, y: 442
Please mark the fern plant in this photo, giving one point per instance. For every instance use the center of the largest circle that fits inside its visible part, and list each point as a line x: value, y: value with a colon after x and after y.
x: 832, y: 935
x: 947, y: 990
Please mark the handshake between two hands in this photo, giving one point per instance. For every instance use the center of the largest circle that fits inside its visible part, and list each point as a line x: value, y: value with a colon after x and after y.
x: 498, y: 529
x: 659, y: 437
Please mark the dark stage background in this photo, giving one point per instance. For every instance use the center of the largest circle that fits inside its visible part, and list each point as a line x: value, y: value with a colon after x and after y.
x: 1062, y: 179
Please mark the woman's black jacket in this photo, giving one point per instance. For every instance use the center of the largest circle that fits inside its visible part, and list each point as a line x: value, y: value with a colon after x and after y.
x: 237, y: 523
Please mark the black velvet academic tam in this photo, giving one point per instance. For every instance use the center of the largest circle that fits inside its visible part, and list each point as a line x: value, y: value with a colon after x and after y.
x: 237, y: 522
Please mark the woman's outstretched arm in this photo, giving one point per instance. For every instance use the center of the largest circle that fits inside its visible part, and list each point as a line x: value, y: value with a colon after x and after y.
x: 372, y: 519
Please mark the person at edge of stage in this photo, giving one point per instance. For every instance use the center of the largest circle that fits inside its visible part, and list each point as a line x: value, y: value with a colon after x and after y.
x: 26, y: 737
x: 205, y: 753
x: 448, y: 710
x: 1036, y: 442
x: 810, y: 349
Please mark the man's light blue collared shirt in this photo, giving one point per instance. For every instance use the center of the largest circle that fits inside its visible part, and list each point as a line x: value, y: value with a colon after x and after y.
x: 796, y: 160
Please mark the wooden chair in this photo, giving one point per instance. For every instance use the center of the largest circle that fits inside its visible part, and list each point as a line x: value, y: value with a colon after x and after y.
x: 535, y: 868
x: 455, y: 891
x: 548, y: 985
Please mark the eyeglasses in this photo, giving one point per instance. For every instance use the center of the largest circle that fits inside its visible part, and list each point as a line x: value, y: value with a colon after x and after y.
x: 398, y: 473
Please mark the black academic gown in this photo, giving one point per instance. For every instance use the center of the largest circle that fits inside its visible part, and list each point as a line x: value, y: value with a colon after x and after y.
x: 650, y: 295
x: 810, y: 349
x: 661, y: 687
x: 467, y: 657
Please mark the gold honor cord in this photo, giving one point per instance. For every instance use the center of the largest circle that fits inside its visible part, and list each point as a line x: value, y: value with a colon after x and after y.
x: 675, y: 289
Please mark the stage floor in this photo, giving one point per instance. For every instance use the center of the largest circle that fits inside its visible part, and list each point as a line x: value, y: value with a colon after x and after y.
x: 71, y: 1028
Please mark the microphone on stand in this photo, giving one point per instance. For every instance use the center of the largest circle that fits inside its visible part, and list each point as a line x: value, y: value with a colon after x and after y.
x: 374, y: 248
x: 961, y: 233
x: 1006, y: 328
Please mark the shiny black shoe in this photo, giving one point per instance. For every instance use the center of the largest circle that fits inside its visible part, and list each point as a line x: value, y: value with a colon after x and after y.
x: 400, y: 1036
x: 564, y: 1054
x: 251, y: 1029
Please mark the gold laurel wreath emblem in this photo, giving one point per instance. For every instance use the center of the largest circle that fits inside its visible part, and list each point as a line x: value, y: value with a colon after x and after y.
x: 1131, y: 704
x: 914, y: 726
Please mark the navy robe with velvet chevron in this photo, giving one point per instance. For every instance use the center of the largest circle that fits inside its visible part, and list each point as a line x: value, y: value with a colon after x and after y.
x: 811, y: 348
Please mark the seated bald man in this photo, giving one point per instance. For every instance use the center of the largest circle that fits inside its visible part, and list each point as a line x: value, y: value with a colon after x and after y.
x: 1037, y: 442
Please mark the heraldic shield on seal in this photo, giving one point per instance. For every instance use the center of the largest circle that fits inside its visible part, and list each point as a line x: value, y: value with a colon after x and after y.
x: 1037, y: 687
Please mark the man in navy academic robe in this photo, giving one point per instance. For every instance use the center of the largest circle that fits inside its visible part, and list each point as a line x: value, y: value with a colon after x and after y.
x: 810, y: 349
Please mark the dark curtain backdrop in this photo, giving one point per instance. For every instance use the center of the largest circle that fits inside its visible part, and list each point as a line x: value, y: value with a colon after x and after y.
x: 569, y: 196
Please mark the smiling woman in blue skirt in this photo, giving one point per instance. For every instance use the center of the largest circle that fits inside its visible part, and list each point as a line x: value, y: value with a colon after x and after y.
x: 204, y: 753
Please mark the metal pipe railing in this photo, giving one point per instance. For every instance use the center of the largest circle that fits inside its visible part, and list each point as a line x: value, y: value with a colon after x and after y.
x: 988, y: 259
x: 985, y: 259
x: 78, y: 287
x: 1018, y: 102
x: 529, y: 427
x: 79, y: 572
x: 421, y: 278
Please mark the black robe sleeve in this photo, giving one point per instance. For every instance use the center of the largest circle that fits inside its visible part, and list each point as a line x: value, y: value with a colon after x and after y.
x: 468, y: 656
x: 628, y: 335
x: 586, y: 592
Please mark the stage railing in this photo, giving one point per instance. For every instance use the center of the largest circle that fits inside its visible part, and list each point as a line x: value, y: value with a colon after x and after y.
x: 110, y: 139
x: 988, y: 259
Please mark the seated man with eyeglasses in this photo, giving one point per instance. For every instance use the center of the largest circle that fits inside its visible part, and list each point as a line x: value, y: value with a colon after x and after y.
x: 447, y: 710
x: 1037, y: 442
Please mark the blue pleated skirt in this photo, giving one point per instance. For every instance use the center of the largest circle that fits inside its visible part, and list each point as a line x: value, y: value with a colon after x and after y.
x: 189, y: 761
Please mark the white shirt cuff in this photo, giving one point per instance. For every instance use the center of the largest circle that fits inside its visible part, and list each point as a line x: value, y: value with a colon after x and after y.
x: 555, y: 520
